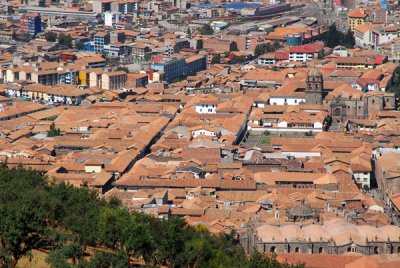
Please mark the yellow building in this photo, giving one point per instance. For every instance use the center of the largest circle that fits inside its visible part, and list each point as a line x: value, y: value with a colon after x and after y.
x: 356, y: 17
x: 83, y: 77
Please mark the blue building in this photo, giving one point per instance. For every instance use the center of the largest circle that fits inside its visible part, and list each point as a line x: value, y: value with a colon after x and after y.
x: 31, y: 23
x: 178, y: 67
x: 100, y: 40
x: 195, y: 64
x: 173, y: 68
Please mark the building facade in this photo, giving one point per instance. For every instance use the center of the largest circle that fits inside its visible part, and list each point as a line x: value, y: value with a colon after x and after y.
x: 335, y: 237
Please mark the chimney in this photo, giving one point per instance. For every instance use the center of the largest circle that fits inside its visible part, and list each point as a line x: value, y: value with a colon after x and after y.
x: 151, y: 72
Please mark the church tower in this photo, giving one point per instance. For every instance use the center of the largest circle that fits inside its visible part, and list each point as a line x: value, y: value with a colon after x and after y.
x: 314, y: 88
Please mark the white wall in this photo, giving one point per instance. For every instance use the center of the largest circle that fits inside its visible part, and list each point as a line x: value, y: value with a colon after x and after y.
x: 203, y: 132
x: 301, y: 57
x: 386, y: 37
x: 317, y: 125
x: 285, y: 100
x: 301, y: 154
x: 207, y: 109
x: 265, y: 62
x: 285, y: 129
x: 282, y: 124
x: 361, y: 178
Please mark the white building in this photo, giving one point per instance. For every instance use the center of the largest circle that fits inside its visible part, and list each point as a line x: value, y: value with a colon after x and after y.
x: 206, y: 108
x: 111, y: 18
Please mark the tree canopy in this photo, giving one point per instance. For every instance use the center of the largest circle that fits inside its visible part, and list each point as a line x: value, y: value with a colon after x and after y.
x: 265, y: 48
x: 38, y: 214
x: 53, y: 131
x: 333, y: 38
x: 206, y: 29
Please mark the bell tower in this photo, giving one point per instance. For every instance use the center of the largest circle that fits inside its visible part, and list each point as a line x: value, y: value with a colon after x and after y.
x: 314, y: 88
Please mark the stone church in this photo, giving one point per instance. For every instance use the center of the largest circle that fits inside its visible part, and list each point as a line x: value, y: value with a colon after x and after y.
x: 337, y: 236
x: 345, y: 102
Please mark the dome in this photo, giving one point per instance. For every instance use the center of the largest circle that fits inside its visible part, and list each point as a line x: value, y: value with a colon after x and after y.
x: 314, y: 72
x: 302, y: 210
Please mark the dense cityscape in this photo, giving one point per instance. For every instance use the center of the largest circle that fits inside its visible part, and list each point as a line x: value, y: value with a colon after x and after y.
x: 143, y: 133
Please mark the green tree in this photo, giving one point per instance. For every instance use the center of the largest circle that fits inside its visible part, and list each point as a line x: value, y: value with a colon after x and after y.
x: 77, y: 210
x: 171, y: 241
x: 61, y: 257
x: 147, y: 56
x: 138, y: 241
x: 125, y: 69
x: 394, y: 85
x: 321, y: 55
x: 238, y: 59
x: 216, y: 59
x: 112, y: 225
x: 266, y: 47
x: 65, y: 40
x: 198, y: 248
x: 349, y: 40
x: 51, y: 36
x: 327, y: 122
x: 23, y: 214
x: 105, y: 260
x: 53, y: 131
x: 36, y: 213
x: 206, y: 29
x: 333, y: 37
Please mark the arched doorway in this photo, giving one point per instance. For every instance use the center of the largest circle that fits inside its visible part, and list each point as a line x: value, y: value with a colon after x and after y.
x: 321, y: 250
x: 376, y: 250
x: 297, y: 250
x: 272, y: 249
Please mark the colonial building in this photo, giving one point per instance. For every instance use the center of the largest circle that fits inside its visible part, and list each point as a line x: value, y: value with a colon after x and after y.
x: 346, y: 102
x: 336, y: 236
x: 314, y: 88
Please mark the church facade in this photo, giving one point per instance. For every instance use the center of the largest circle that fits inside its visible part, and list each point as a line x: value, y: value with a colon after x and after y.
x: 346, y: 102
x: 334, y: 237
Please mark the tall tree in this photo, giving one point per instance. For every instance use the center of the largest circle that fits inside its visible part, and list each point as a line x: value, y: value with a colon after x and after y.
x: 216, y: 59
x: 206, y: 29
x: 23, y: 214
x: 53, y: 131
